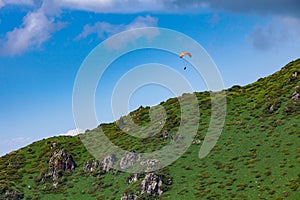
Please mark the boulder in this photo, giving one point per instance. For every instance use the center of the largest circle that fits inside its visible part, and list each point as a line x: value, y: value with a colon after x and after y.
x: 196, y: 141
x: 128, y: 196
x: 129, y: 159
x: 133, y: 178
x: 53, y: 145
x: 8, y: 193
x: 91, y: 165
x: 295, y: 74
x: 295, y: 96
x: 150, y: 164
x: 108, y: 162
x: 271, y: 109
x: 59, y: 162
x: 152, y: 185
x: 165, y: 134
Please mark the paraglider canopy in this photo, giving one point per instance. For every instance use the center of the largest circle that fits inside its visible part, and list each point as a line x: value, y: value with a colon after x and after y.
x: 185, y: 52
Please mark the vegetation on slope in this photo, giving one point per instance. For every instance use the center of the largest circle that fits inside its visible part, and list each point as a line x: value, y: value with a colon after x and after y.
x: 256, y: 157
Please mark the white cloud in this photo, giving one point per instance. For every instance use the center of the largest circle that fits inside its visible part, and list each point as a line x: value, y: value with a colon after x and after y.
x: 39, y: 24
x: 141, y: 22
x: 73, y: 132
x: 34, y: 31
x: 104, y: 29
x: 113, y: 6
x: 15, y: 2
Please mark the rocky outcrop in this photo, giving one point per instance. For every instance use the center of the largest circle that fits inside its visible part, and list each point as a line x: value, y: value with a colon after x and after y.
x: 59, y: 162
x: 108, y: 162
x: 293, y: 77
x: 129, y: 196
x: 150, y: 164
x: 129, y: 159
x: 196, y: 141
x: 100, y: 167
x: 295, y: 74
x: 166, y: 134
x: 271, y: 109
x: 10, y: 194
x: 133, y: 178
x: 53, y: 145
x: 91, y: 166
x: 295, y: 96
x: 152, y: 185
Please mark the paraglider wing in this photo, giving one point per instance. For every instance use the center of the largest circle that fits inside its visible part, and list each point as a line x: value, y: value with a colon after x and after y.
x: 185, y: 53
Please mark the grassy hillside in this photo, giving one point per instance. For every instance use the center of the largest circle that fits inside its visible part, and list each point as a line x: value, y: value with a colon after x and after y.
x: 256, y: 157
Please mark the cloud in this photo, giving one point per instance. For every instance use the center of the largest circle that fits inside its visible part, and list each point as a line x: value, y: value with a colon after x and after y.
x: 73, y: 132
x: 104, y: 29
x: 112, y: 6
x: 277, y: 7
x: 34, y: 31
x: 39, y: 24
x: 15, y: 2
x: 280, y: 7
x: 101, y: 29
x: 273, y: 7
x: 279, y: 30
x: 263, y: 38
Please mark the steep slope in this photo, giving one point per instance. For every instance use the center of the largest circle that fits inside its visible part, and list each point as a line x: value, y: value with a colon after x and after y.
x: 256, y: 157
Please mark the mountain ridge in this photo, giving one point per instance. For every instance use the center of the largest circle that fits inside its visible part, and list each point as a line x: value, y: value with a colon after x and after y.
x: 256, y: 157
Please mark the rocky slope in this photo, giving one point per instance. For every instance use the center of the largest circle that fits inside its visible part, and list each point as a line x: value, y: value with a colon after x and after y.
x: 256, y: 157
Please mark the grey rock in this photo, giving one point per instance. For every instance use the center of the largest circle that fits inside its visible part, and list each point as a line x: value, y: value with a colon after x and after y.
x: 108, y: 162
x: 53, y: 145
x: 91, y: 166
x: 128, y: 196
x: 165, y: 134
x: 133, y: 178
x: 129, y: 159
x: 59, y: 162
x: 10, y: 194
x: 152, y: 185
x: 271, y: 108
x: 295, y: 96
x: 149, y: 164
x: 295, y: 74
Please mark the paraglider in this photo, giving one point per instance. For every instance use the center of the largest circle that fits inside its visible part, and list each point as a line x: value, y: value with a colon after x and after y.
x: 185, y: 53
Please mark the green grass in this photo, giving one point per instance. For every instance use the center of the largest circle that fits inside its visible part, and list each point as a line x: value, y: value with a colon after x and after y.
x: 256, y: 157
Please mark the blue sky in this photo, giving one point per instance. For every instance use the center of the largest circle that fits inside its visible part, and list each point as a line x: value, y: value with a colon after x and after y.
x: 43, y: 43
